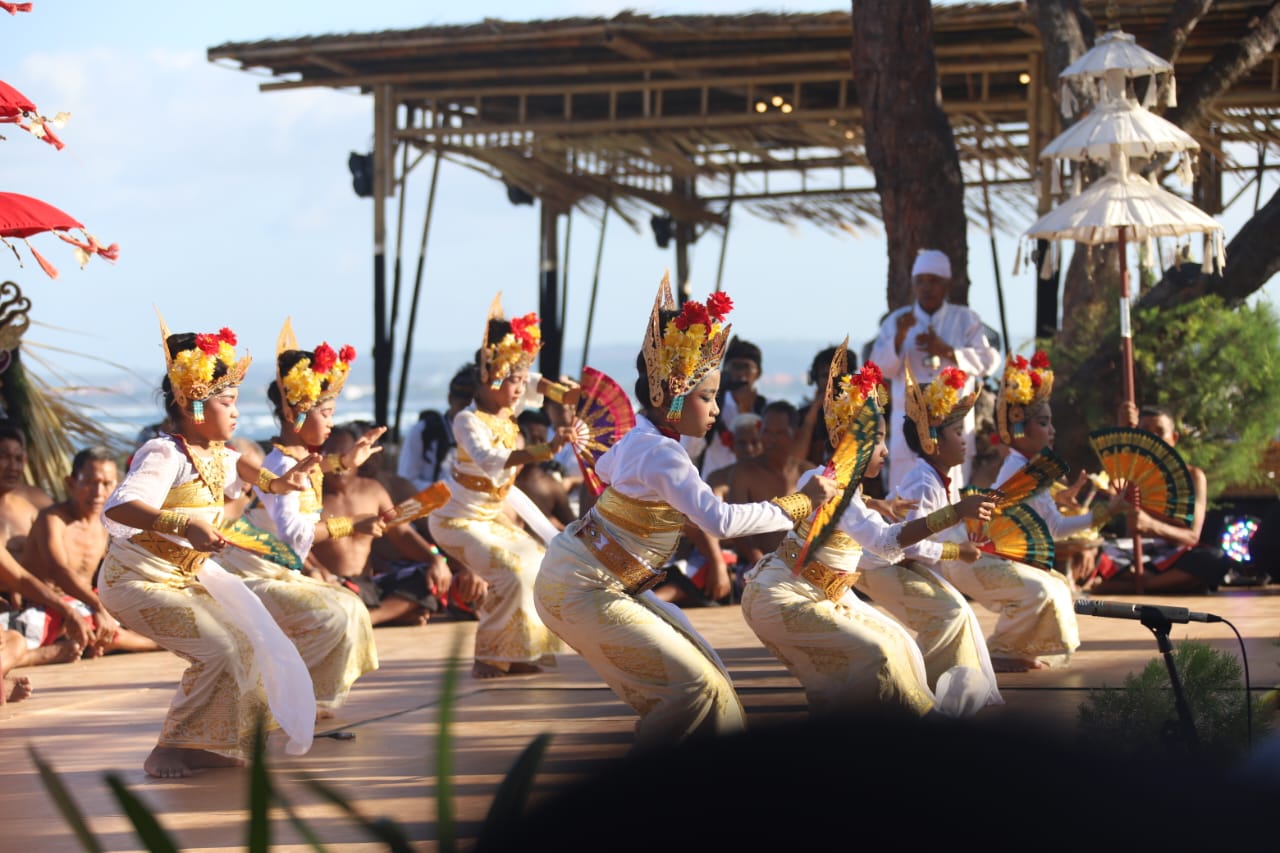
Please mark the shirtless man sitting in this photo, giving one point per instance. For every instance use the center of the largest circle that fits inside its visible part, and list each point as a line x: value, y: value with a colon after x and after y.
x: 399, y: 598
x: 69, y: 540
x: 771, y: 474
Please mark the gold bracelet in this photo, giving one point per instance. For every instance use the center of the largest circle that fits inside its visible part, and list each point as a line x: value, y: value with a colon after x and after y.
x: 554, y: 391
x: 797, y: 506
x: 540, y: 452
x: 334, y: 463
x: 265, y: 479
x: 339, y: 526
x: 950, y: 551
x: 171, y: 522
x: 941, y: 519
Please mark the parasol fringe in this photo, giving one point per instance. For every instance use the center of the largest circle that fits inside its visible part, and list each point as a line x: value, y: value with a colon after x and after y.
x: 1055, y: 179
x: 1149, y: 96
x: 1171, y: 93
x: 49, y: 269
x: 1068, y: 101
x: 1017, y: 258
x: 40, y: 129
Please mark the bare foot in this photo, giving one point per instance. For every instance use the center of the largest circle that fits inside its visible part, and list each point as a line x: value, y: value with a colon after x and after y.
x: 168, y: 762
x: 16, y: 688
x: 1015, y: 665
x: 325, y: 714
x: 523, y: 668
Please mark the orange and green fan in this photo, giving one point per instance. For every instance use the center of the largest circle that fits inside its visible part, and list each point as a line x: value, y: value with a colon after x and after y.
x: 423, y: 503
x: 1017, y: 534
x: 242, y: 533
x: 1148, y: 470
x: 1040, y: 471
x: 604, y: 415
x: 846, y: 467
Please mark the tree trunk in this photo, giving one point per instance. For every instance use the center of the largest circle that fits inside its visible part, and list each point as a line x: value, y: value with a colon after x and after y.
x: 909, y: 141
x: 1182, y: 19
x: 1227, y: 66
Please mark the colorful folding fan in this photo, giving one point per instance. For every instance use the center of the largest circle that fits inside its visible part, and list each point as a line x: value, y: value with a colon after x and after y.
x: 603, y: 416
x: 846, y: 466
x: 1040, y: 471
x: 1148, y: 469
x: 1017, y: 533
x: 242, y: 534
x: 423, y: 503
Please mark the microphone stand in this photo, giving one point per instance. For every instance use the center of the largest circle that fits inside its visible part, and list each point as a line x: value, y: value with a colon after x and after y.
x: 1160, y: 626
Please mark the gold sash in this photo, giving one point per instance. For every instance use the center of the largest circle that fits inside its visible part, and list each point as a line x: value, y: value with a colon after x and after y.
x: 642, y: 518
x: 635, y: 575
x: 187, y: 559
x: 483, y: 485
x: 833, y: 582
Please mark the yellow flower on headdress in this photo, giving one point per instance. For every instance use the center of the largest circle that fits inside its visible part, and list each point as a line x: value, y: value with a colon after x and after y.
x: 853, y: 400
x: 1025, y: 383
x: 678, y: 355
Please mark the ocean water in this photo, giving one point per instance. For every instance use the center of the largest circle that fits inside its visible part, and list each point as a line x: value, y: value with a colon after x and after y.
x: 127, y: 402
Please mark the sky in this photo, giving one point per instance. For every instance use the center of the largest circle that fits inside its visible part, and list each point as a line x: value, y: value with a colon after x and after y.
x: 234, y: 207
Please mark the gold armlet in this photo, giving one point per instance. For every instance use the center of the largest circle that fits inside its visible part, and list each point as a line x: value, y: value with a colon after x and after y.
x: 797, y: 506
x: 1100, y: 513
x: 950, y: 551
x: 554, y: 391
x: 333, y: 464
x: 265, y: 479
x: 168, y: 521
x: 540, y: 452
x: 941, y: 519
x: 339, y: 526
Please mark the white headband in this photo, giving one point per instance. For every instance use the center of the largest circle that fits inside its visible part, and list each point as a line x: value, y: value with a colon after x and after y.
x: 931, y: 262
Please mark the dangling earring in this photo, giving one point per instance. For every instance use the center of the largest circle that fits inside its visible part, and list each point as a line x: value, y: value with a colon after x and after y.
x: 677, y: 408
x: 299, y: 419
x: 197, y: 411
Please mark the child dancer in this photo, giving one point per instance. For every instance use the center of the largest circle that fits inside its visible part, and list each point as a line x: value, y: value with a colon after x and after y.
x: 845, y: 653
x: 329, y: 624
x: 593, y: 588
x: 157, y: 578
x: 473, y: 527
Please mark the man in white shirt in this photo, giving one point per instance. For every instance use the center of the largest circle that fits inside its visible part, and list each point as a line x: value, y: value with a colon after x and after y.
x: 932, y: 333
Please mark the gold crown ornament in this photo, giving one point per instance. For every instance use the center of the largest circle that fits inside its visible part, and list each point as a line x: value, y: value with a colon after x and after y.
x: 515, y: 351
x: 1025, y: 385
x: 937, y: 404
x: 853, y: 401
x: 312, y: 380
x: 191, y: 371
x: 692, y: 344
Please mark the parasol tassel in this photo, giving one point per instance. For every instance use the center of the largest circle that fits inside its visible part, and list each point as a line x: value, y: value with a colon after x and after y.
x: 1068, y: 101
x: 49, y: 269
x: 15, y: 8
x: 40, y: 129
x: 1017, y: 259
x: 1055, y: 180
x: 1184, y: 171
x: 1171, y: 93
x: 1149, y: 96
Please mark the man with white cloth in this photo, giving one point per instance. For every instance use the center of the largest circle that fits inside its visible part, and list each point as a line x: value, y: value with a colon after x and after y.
x: 932, y: 333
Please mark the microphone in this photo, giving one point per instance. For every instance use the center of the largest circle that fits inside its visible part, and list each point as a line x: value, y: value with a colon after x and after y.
x: 1121, y: 610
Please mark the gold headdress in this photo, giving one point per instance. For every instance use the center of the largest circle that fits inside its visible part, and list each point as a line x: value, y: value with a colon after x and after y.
x: 937, y: 404
x: 517, y: 349
x: 677, y: 357
x: 191, y: 371
x: 1025, y: 384
x: 312, y: 380
x: 853, y: 401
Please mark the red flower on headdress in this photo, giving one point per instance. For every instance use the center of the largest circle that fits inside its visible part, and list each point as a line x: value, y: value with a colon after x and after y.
x: 868, y: 378
x: 1035, y: 379
x: 324, y: 359
x: 719, y: 305
x: 954, y: 377
x: 347, y: 354
x: 526, y: 331
x: 994, y: 438
x: 208, y: 344
x: 1020, y: 362
x: 692, y: 314
x: 227, y: 336
x: 1040, y: 361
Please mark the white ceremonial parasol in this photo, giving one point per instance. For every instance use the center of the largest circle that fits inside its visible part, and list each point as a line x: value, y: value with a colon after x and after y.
x: 1139, y: 132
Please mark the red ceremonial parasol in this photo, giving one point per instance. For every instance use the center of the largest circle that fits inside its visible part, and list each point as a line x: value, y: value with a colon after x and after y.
x: 15, y: 8
x: 17, y: 108
x: 22, y: 216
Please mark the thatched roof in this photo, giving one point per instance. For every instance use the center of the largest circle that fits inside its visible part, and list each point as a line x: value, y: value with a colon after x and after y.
x: 634, y: 110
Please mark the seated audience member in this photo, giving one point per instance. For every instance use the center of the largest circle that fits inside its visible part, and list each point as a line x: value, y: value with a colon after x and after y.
x: 407, y: 595
x: 20, y: 502
x: 67, y: 543
x: 748, y: 443
x: 737, y: 395
x: 543, y: 481
x: 771, y: 474
x: 46, y: 630
x: 1174, y: 561
x: 812, y: 435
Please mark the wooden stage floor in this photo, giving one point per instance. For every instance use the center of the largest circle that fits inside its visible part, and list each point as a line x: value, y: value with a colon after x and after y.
x: 93, y: 717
